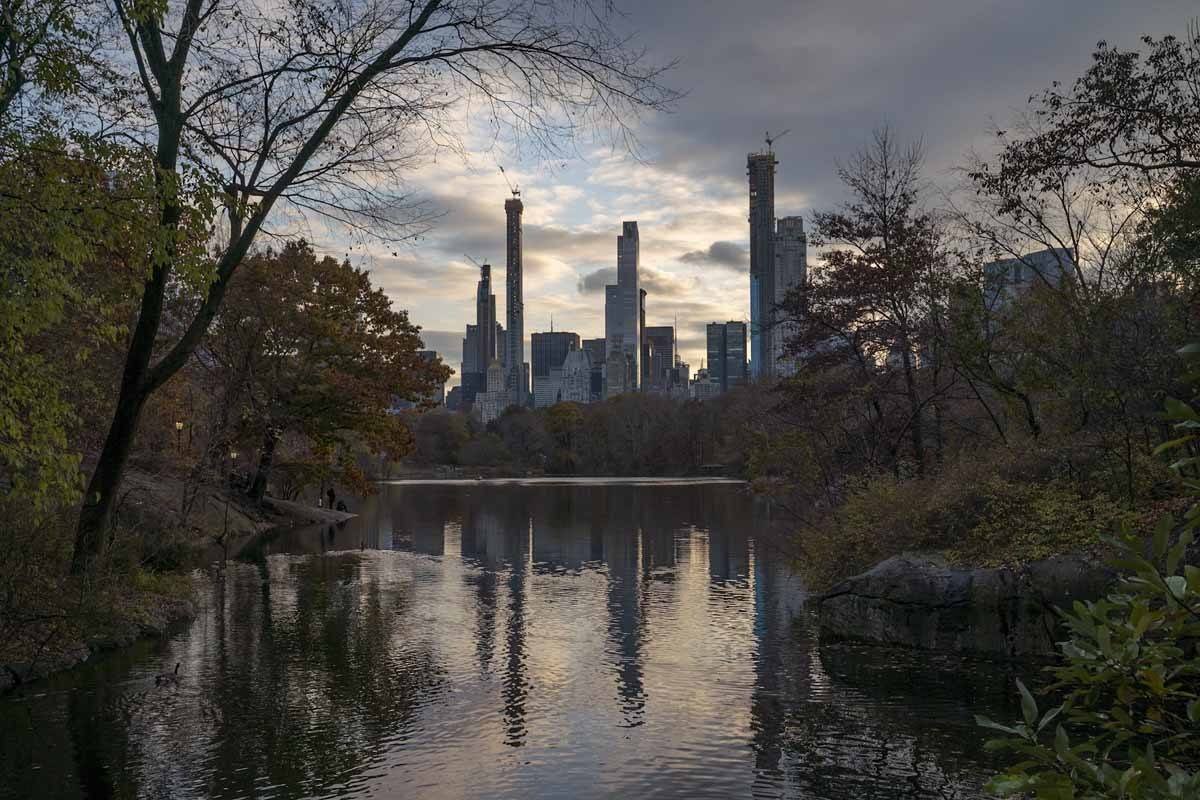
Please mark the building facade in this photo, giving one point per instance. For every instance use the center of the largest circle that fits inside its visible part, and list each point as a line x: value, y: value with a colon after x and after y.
x: 471, y: 375
x: 1006, y: 280
x: 760, y: 168
x: 791, y: 271
x: 514, y: 342
x: 704, y: 387
x: 576, y: 378
x: 485, y: 327
x: 598, y: 356
x: 726, y: 345
x: 491, y: 404
x: 548, y: 352
x: 659, y: 353
x: 622, y: 316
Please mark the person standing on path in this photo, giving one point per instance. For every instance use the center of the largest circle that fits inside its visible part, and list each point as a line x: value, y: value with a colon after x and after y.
x: 331, y: 496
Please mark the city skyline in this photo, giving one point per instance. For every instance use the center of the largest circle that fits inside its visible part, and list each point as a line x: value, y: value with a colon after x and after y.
x: 689, y: 190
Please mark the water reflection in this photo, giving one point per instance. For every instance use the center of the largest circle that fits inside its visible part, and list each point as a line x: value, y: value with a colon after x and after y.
x: 524, y: 641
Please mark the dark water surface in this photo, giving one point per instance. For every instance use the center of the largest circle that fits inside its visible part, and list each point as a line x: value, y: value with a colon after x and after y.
x: 514, y: 640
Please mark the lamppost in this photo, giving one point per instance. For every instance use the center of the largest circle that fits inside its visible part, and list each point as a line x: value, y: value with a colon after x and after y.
x: 178, y: 436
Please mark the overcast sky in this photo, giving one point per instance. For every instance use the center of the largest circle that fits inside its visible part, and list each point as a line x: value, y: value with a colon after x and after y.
x: 946, y: 71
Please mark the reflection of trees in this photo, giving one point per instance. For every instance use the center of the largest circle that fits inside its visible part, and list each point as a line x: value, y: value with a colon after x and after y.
x: 858, y: 734
x: 308, y: 686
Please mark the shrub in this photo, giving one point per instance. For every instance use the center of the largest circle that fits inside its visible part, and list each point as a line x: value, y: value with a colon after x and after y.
x: 1129, y: 726
x: 1129, y: 722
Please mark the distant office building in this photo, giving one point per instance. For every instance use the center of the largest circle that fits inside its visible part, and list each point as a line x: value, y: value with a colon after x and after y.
x: 659, y: 354
x: 491, y: 404
x: 471, y: 374
x: 514, y: 343
x: 704, y: 387
x: 622, y: 316
x: 727, y: 354
x: 681, y: 372
x: 454, y: 399
x: 643, y: 345
x: 791, y: 271
x: 760, y: 167
x: 1006, y: 280
x: 599, y: 359
x: 571, y: 382
x: 679, y: 380
x: 549, y: 351
x: 617, y: 375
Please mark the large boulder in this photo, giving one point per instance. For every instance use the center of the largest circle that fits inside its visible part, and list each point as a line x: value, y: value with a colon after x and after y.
x: 919, y: 601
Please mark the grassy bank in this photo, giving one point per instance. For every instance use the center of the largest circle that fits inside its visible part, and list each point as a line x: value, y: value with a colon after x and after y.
x: 1006, y: 508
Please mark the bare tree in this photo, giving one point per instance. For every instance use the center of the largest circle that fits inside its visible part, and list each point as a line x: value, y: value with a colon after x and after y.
x: 871, y: 304
x: 266, y: 110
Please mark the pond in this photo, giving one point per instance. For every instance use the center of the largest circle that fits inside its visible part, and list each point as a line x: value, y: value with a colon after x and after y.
x: 512, y: 639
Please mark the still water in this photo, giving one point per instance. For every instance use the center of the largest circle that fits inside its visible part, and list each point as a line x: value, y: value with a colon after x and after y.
x: 508, y: 640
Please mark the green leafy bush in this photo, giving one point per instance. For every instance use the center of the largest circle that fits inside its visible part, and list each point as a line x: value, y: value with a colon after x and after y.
x: 1128, y: 724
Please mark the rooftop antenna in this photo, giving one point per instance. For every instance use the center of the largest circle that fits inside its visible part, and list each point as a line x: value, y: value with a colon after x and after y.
x: 771, y: 140
x: 512, y: 187
x: 552, y: 323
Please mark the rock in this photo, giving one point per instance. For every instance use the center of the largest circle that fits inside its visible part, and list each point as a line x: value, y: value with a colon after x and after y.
x: 919, y: 601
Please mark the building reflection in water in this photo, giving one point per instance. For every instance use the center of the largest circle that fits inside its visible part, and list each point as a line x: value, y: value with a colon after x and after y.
x: 540, y: 641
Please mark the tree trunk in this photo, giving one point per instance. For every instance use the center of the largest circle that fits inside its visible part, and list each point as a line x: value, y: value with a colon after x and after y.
x: 266, y: 458
x: 96, y: 516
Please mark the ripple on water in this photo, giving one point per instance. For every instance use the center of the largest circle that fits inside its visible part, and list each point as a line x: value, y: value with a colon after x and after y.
x: 526, y: 641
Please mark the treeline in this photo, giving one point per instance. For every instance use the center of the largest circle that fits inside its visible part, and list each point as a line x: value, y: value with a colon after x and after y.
x: 983, y: 370
x: 157, y: 328
x: 632, y: 434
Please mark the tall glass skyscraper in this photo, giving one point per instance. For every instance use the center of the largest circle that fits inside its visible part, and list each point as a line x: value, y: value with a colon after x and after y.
x: 622, y: 315
x: 514, y: 346
x: 761, y: 169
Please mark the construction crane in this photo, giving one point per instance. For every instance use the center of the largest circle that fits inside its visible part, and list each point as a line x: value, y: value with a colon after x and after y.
x: 473, y: 261
x: 772, y: 139
x: 512, y: 187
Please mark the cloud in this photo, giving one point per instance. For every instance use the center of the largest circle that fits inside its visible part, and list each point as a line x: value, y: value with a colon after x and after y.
x: 656, y: 282
x: 721, y: 254
x: 830, y: 70
x: 595, y: 281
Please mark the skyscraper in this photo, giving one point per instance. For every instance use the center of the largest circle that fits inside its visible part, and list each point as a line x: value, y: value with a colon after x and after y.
x: 514, y: 347
x: 622, y: 315
x: 485, y: 330
x: 727, y: 353
x: 761, y: 169
x: 791, y: 270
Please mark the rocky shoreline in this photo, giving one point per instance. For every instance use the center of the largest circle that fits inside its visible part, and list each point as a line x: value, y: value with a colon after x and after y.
x: 920, y: 601
x: 148, y: 614
x: 155, y: 616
